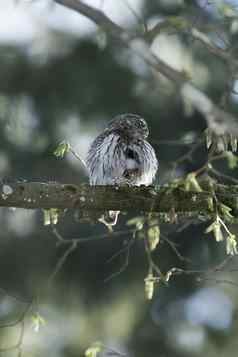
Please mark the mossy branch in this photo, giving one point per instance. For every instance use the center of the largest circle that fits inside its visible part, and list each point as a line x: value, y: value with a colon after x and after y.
x: 32, y: 195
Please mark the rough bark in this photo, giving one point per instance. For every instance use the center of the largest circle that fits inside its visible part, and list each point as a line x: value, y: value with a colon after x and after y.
x: 32, y: 195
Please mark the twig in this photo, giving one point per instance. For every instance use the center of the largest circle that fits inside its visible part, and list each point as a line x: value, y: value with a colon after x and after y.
x: 175, y: 142
x: 18, y: 345
x: 73, y: 243
x: 220, y: 175
x: 14, y: 297
x: 62, y: 260
x: 118, y: 253
x: 187, y: 156
x: 96, y: 237
x: 17, y: 321
x: 173, y: 247
x: 112, y: 351
x: 217, y: 281
x: 137, y: 17
x: 79, y: 158
x: 151, y: 264
x: 126, y: 263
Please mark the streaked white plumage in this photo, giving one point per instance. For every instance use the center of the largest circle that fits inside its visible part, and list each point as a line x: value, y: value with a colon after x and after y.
x: 121, y: 155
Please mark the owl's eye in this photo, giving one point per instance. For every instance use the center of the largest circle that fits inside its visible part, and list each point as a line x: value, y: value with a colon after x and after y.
x: 142, y: 124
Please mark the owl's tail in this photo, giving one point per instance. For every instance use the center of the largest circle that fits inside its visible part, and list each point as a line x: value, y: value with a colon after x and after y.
x: 109, y: 218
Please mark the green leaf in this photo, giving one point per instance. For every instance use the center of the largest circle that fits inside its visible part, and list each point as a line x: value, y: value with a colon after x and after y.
x: 191, y: 183
x: 225, y: 210
x: 149, y: 286
x: 215, y: 228
x: 61, y: 149
x: 46, y: 217
x: 54, y: 215
x: 94, y: 349
x: 218, y: 232
x: 210, y: 203
x: 231, y: 245
x: 50, y: 216
x: 153, y: 237
x: 37, y: 322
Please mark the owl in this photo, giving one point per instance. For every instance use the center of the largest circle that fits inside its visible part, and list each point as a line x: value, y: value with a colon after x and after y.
x: 121, y: 155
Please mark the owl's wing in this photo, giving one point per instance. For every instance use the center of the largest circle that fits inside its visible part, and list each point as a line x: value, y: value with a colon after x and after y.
x: 111, y: 161
x: 141, y: 161
x: 105, y: 160
x: 149, y: 163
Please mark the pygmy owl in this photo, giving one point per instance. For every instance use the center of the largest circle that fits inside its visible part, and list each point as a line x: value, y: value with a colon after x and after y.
x: 121, y: 155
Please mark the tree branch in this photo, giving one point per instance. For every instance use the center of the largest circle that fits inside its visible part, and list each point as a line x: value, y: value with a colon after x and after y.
x: 93, y: 14
x: 218, y: 120
x: 33, y: 195
x: 181, y: 25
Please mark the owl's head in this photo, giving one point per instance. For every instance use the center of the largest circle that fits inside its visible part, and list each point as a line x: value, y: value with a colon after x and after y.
x: 130, y: 125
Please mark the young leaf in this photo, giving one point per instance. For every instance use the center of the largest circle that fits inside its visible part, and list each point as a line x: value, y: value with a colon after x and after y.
x: 94, y: 349
x: 153, y: 237
x: 61, y: 149
x: 231, y: 244
x: 149, y: 286
x: 37, y: 322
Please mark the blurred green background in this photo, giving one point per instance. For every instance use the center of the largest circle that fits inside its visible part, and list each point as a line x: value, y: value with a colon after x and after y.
x: 61, y: 78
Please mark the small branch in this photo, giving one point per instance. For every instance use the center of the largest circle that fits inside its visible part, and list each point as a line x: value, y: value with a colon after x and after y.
x: 174, y: 249
x: 222, y: 176
x: 187, y: 156
x: 93, y: 238
x: 178, y: 142
x: 18, y: 345
x: 75, y: 154
x: 127, y: 250
x: 62, y: 260
x: 183, y: 25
